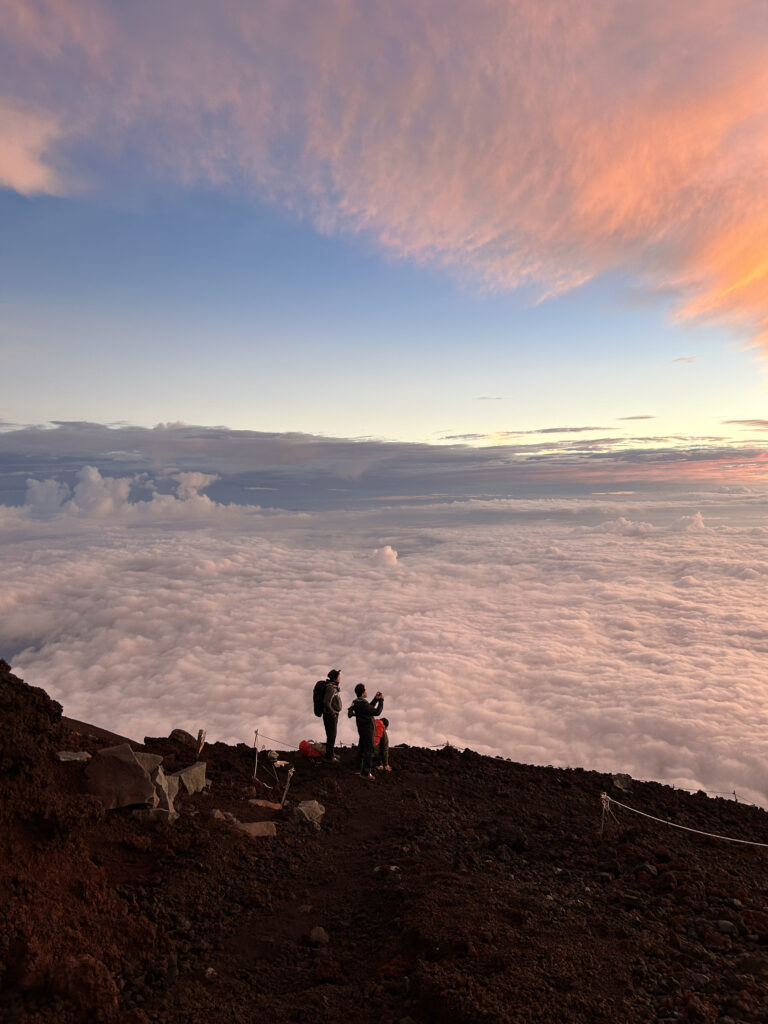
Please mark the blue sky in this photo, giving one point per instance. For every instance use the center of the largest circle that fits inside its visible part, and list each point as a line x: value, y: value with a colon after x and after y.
x: 204, y: 309
x: 407, y: 223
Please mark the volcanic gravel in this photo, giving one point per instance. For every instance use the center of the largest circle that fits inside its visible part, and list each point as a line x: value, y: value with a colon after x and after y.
x: 457, y: 889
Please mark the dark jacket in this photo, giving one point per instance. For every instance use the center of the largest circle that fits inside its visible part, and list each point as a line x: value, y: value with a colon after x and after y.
x: 332, y: 700
x: 364, y: 712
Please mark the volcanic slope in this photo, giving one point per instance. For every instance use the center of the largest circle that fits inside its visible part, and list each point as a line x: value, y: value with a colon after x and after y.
x: 458, y: 888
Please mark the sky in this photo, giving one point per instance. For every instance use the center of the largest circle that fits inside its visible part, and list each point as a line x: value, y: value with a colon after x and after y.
x: 399, y: 221
x: 427, y: 339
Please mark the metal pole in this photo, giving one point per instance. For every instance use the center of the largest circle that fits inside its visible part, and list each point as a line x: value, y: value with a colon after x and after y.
x: 287, y: 784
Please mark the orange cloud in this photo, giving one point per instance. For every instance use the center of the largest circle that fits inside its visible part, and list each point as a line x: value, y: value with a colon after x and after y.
x: 25, y: 137
x: 531, y: 142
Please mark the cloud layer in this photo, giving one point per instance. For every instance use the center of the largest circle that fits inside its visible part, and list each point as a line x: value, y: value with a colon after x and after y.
x: 302, y: 471
x: 536, y: 143
x: 619, y: 635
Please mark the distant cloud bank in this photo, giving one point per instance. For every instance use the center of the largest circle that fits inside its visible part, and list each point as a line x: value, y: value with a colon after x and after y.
x: 617, y: 633
x: 537, y: 142
x: 46, y: 467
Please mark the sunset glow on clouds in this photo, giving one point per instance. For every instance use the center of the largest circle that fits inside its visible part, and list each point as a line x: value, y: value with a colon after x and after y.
x: 537, y: 143
x: 441, y: 309
x: 619, y: 634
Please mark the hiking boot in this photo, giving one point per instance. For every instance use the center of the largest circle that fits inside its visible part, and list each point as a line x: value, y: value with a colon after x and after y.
x: 370, y: 778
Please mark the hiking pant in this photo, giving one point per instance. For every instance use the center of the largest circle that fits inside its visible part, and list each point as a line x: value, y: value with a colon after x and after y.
x: 365, y: 747
x: 383, y: 750
x: 331, y: 723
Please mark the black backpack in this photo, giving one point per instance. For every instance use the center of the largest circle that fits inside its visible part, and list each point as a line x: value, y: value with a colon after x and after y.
x: 318, y: 696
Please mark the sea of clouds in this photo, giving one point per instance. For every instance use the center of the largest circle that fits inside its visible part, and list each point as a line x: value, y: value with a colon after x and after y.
x: 616, y: 633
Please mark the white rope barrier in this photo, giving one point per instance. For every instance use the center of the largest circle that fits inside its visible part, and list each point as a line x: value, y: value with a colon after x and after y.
x: 608, y: 800
x: 280, y: 743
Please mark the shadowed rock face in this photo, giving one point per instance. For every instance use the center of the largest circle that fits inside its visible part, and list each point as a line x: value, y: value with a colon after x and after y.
x: 118, y: 779
x: 459, y: 889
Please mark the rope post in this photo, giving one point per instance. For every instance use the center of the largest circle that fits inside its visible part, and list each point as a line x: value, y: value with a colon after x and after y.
x: 604, y: 799
x: 256, y: 748
x: 287, y: 784
x: 200, y: 741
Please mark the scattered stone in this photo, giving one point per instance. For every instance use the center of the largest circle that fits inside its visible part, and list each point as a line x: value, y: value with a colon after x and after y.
x: 191, y: 778
x: 319, y: 936
x: 622, y: 782
x: 267, y: 803
x: 258, y: 828
x: 217, y: 814
x: 305, y: 908
x: 181, y: 736
x: 308, y: 812
x: 76, y: 756
x: 117, y: 778
x: 699, y: 980
x: 649, y: 869
x: 726, y: 927
x: 155, y: 814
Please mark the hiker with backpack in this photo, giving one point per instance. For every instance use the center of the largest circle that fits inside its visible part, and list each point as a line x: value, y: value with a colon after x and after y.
x: 327, y: 703
x: 365, y: 713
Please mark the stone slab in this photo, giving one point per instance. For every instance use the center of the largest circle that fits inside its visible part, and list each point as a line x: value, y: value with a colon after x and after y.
x: 192, y: 778
x: 258, y: 829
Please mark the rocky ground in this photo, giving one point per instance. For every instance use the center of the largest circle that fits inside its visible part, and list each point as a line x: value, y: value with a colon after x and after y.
x: 458, y: 889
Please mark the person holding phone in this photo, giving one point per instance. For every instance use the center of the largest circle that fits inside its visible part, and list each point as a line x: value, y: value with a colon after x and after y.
x: 365, y: 714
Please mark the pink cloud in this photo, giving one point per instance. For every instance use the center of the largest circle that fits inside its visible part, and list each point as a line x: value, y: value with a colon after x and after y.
x: 25, y: 137
x: 536, y: 142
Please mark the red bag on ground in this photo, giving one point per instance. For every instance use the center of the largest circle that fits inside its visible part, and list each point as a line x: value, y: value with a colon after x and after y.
x: 309, y: 749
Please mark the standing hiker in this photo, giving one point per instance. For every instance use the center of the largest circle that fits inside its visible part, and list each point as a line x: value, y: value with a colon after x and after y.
x: 329, y: 707
x: 365, y: 712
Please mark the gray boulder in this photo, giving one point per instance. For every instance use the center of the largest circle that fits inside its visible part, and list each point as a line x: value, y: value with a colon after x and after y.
x: 191, y: 778
x: 148, y: 761
x: 76, y: 756
x: 166, y: 788
x: 118, y: 780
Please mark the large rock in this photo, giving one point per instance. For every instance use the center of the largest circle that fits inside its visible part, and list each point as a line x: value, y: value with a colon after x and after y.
x: 181, y: 736
x: 117, y: 778
x: 76, y: 756
x: 191, y: 778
